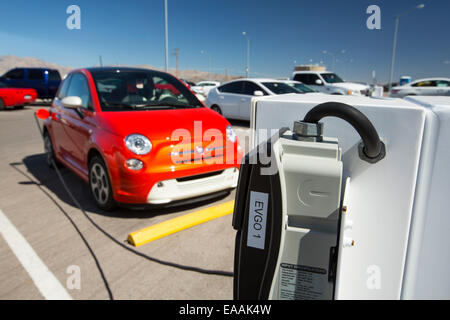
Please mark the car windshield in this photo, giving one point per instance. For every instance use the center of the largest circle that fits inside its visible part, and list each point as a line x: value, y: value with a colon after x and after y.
x: 303, y: 88
x: 331, y: 78
x: 141, y: 89
x: 280, y: 87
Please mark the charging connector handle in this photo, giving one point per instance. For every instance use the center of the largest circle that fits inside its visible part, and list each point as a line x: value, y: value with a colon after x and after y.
x: 373, y: 147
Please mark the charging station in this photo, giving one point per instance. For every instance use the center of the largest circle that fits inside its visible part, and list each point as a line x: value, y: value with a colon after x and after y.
x: 331, y: 222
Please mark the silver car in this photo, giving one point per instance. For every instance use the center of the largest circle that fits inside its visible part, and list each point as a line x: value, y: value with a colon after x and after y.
x: 423, y: 87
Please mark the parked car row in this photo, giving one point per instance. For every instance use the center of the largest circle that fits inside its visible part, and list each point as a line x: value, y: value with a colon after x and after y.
x: 43, y: 80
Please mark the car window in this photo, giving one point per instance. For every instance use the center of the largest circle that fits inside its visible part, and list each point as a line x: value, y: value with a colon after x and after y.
x: 53, y: 75
x: 443, y: 83
x: 426, y: 83
x: 251, y: 87
x: 141, y: 89
x: 307, y: 78
x: 63, y: 88
x: 331, y: 78
x: 301, y: 77
x: 3, y: 85
x: 16, y: 74
x: 35, y: 74
x: 300, y: 87
x: 233, y: 87
x: 280, y: 87
x: 79, y: 87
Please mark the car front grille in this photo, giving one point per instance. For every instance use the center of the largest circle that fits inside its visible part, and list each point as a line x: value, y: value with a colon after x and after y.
x: 200, y: 176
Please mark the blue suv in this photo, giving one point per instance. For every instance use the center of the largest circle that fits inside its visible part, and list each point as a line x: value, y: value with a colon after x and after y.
x: 44, y: 81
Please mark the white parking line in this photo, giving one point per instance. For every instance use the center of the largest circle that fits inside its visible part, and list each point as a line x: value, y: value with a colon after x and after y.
x: 43, y: 278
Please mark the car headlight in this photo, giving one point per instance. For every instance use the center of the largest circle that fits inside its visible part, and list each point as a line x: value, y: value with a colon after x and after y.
x: 138, y: 144
x: 231, y: 135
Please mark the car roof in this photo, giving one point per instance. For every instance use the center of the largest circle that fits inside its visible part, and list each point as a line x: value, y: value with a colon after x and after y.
x: 111, y: 69
x: 34, y: 68
x: 313, y: 71
x: 257, y: 80
x: 290, y: 81
x: 431, y: 79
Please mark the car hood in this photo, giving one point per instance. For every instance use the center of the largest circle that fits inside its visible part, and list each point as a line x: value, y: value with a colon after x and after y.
x: 160, y: 124
x: 350, y: 86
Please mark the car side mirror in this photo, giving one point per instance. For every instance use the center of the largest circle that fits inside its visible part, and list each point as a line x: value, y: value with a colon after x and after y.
x: 319, y: 82
x: 75, y: 103
x: 72, y: 102
x: 258, y: 93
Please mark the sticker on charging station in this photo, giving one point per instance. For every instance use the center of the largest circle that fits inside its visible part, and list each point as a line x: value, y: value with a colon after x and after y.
x: 302, y: 282
x: 257, y: 219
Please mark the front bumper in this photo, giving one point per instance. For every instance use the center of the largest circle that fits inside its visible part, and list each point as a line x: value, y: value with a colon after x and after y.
x: 178, y: 189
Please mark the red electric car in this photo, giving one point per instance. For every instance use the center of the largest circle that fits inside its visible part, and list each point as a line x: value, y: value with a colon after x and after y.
x: 139, y: 136
x: 15, y: 97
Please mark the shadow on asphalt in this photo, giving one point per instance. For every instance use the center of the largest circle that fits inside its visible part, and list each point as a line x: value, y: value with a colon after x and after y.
x: 36, y: 172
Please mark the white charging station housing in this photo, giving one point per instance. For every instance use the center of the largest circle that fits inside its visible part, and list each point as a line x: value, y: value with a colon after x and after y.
x: 397, y: 217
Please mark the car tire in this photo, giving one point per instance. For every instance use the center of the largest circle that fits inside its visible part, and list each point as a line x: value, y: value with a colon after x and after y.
x: 100, y: 185
x: 49, y: 151
x: 216, y: 109
x: 2, y: 105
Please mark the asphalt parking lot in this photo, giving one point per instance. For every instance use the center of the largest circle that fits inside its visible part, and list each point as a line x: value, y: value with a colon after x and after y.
x: 34, y: 201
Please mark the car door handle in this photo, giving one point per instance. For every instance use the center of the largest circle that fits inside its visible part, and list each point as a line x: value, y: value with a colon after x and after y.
x: 243, y: 99
x: 221, y: 97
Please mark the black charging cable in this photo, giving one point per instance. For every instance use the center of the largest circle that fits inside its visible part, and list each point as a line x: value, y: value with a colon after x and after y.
x: 97, y: 263
x: 372, y: 148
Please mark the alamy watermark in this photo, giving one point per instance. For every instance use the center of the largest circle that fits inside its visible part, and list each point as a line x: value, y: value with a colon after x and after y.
x: 73, y: 21
x: 73, y: 281
x: 373, y: 281
x: 374, y: 20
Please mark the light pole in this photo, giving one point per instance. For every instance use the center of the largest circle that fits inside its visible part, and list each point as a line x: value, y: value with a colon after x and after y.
x: 394, y: 45
x: 247, y: 68
x: 209, y: 63
x: 166, y: 35
x: 333, y: 61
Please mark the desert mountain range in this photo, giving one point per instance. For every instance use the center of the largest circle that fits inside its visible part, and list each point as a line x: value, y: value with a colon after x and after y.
x: 10, y: 61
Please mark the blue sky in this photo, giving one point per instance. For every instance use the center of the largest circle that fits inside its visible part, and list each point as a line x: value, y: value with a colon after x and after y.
x: 132, y: 32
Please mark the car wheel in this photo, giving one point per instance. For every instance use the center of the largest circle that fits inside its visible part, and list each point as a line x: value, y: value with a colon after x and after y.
x: 2, y: 105
x: 99, y: 184
x: 216, y: 109
x: 49, y: 153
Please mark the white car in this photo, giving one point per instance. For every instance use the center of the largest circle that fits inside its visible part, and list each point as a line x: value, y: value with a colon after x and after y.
x: 423, y: 87
x: 329, y: 82
x: 233, y: 99
x: 203, y: 87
